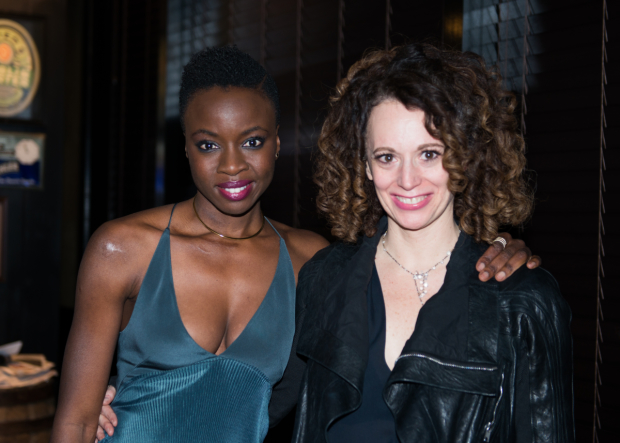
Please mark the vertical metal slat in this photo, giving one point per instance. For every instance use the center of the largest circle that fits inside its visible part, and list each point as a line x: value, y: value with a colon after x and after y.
x: 525, y: 69
x: 231, y: 21
x: 601, y: 234
x: 117, y: 162
x: 388, y: 24
x: 160, y: 142
x: 263, y: 31
x: 340, y: 48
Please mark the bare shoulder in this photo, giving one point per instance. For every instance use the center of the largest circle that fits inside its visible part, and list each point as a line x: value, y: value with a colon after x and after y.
x: 301, y: 243
x: 121, y: 248
x: 134, y: 230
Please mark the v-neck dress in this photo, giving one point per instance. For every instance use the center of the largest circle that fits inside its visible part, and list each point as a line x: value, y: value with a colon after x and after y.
x: 172, y: 390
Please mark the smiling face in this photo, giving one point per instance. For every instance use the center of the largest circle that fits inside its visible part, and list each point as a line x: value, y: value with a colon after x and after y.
x: 231, y: 141
x: 405, y: 165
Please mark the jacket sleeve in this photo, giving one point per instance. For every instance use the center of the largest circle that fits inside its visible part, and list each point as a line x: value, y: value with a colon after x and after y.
x: 285, y: 392
x: 543, y: 326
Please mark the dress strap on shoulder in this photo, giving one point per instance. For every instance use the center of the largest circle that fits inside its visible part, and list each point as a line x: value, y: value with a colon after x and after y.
x: 172, y: 212
x: 272, y: 227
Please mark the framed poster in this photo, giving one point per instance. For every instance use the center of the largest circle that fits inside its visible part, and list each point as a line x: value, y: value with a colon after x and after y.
x: 21, y: 159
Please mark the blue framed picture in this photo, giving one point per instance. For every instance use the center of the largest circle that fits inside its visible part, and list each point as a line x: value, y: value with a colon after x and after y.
x: 21, y: 159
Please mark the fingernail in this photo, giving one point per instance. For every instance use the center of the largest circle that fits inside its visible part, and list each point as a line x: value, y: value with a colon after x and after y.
x: 485, y: 275
x: 501, y: 275
x: 480, y: 267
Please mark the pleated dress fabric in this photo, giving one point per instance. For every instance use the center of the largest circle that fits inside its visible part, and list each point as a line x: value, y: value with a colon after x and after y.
x: 172, y: 390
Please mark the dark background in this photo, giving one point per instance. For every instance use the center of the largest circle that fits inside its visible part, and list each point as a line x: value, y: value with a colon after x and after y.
x: 107, y: 103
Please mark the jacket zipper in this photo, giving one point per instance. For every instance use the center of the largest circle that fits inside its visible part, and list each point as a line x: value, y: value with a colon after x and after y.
x: 489, y: 427
x: 452, y: 365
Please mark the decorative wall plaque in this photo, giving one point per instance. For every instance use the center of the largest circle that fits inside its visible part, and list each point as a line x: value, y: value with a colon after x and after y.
x: 21, y: 159
x: 20, y: 68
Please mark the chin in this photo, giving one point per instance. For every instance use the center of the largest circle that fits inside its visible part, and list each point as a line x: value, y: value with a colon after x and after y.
x: 233, y: 208
x: 412, y: 221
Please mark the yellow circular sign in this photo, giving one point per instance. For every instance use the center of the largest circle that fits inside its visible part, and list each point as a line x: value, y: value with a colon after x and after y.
x: 20, y: 69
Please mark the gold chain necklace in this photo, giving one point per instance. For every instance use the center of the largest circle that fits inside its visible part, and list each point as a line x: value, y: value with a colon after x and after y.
x: 222, y: 235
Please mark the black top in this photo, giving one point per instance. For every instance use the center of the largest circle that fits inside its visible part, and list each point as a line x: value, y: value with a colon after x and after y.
x: 373, y: 422
x: 518, y: 354
x: 447, y: 311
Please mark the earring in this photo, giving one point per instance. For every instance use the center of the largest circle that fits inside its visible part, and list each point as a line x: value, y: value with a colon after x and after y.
x: 277, y: 154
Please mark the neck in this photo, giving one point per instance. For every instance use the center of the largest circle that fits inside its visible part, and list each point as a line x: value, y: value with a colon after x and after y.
x: 423, y: 248
x: 229, y: 225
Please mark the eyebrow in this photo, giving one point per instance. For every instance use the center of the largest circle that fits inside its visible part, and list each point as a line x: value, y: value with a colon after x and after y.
x: 419, y: 148
x: 204, y: 131
x: 214, y: 134
x: 247, y: 131
x: 430, y: 145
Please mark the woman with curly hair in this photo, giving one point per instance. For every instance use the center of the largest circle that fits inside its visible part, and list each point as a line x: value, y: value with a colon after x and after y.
x: 420, y: 162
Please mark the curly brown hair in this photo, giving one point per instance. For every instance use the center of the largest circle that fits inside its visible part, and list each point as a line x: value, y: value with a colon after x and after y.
x: 465, y: 106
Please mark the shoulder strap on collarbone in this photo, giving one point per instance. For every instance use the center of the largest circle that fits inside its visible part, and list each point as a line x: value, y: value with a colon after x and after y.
x: 171, y: 212
x: 272, y: 227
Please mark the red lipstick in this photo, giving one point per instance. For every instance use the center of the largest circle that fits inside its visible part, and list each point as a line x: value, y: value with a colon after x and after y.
x: 235, y: 190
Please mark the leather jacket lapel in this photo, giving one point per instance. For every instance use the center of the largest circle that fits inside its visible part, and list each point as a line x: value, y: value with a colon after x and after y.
x: 431, y: 362
x: 335, y: 334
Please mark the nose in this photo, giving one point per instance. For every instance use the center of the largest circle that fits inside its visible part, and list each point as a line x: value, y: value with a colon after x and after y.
x: 232, y: 162
x: 410, y: 176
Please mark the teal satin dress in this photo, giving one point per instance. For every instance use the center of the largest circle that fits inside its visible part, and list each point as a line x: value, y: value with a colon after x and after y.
x: 172, y: 390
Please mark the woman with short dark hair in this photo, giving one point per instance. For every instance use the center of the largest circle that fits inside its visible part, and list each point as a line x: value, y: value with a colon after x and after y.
x: 420, y: 162
x: 200, y: 295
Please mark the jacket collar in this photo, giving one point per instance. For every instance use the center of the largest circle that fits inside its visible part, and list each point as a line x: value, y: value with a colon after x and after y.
x: 336, y: 331
x: 336, y: 334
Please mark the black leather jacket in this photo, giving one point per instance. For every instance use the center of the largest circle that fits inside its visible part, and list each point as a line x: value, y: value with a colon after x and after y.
x: 522, y: 322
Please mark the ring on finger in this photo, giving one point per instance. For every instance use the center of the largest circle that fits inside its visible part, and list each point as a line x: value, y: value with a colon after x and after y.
x: 501, y: 240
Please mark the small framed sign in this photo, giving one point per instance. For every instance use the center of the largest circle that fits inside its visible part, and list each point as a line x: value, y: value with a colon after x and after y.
x: 21, y: 159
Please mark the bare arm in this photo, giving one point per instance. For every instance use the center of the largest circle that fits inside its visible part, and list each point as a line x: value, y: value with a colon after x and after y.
x: 104, y: 283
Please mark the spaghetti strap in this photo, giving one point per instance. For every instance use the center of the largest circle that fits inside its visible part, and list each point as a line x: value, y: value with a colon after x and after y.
x: 172, y: 212
x: 273, y: 227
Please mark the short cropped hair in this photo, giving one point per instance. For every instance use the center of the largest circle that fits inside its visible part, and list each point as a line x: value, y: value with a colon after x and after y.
x: 465, y: 107
x: 225, y: 66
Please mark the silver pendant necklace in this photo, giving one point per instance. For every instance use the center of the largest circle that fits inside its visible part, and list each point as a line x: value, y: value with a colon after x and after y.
x: 420, y: 279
